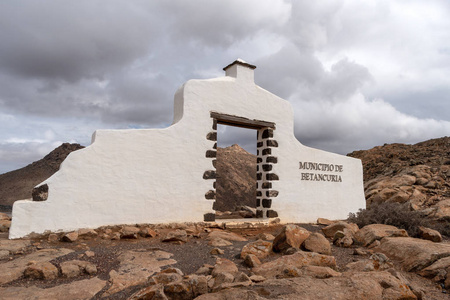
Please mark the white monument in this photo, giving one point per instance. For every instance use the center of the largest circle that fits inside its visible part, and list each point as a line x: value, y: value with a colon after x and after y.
x: 168, y: 175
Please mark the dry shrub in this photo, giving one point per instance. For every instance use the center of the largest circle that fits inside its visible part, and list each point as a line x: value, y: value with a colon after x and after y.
x: 390, y: 213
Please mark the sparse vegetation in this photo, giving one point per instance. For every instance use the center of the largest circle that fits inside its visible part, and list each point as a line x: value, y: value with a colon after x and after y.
x: 398, y: 215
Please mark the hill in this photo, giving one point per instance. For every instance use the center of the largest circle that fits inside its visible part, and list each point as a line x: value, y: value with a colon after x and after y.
x: 18, y: 184
x: 417, y: 175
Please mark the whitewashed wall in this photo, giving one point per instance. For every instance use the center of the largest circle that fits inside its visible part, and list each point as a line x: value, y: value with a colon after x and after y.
x: 156, y: 175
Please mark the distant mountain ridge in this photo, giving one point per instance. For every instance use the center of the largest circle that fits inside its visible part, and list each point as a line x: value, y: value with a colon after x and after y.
x: 18, y: 184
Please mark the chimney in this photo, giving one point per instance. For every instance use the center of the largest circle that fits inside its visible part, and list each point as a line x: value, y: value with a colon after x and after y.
x: 240, y: 70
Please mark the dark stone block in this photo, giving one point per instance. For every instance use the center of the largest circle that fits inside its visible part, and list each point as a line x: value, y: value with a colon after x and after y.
x: 40, y: 193
x: 259, y: 160
x: 258, y: 202
x: 259, y: 213
x: 214, y: 184
x: 267, y: 168
x: 272, y: 143
x: 257, y: 152
x: 258, y: 193
x: 257, y: 168
x: 272, y: 159
x: 267, y: 133
x: 258, y: 176
x: 272, y: 193
x: 259, y: 144
x: 267, y: 151
x: 272, y: 176
x: 210, y: 174
x: 210, y: 195
x: 266, y: 185
x: 214, y: 127
x: 272, y: 214
x: 215, y: 146
x: 266, y: 203
x: 211, y: 153
x: 209, y: 217
x: 212, y: 136
x: 214, y: 163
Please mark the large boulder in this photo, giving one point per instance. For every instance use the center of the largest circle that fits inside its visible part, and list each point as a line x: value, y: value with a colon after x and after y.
x: 297, y: 260
x: 430, y: 234
x: 365, y: 285
x: 370, y: 233
x: 290, y: 236
x: 316, y: 242
x: 413, y: 254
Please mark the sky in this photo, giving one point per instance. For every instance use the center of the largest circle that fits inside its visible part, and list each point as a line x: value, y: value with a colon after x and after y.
x: 358, y: 74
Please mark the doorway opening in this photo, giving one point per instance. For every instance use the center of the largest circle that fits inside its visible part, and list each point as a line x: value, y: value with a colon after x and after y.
x: 239, y: 189
x: 235, y: 172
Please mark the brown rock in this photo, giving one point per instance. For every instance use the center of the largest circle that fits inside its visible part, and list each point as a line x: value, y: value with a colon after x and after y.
x: 135, y: 267
x: 155, y: 292
x: 430, y: 234
x: 14, y: 269
x: 414, y: 254
x: 224, y: 265
x: 176, y: 236
x: 218, y: 242
x: 257, y: 278
x: 5, y: 225
x: 433, y: 270
x: 297, y: 260
x: 148, y: 232
x: 129, y: 232
x: 4, y: 254
x: 199, y: 284
x: 228, y: 236
x: 82, y: 289
x: 259, y: 248
x: 317, y: 243
x: 370, y: 233
x: 216, y: 251
x: 70, y: 237
x: 42, y: 270
x: 14, y: 246
x: 330, y: 230
x: 319, y: 272
x: 443, y: 209
x: 85, y: 233
x: 4, y: 216
x: 323, y: 221
x: 52, y: 238
x: 376, y: 262
x: 365, y: 285
x: 252, y: 260
x: 266, y: 236
x: 74, y: 268
x: 290, y: 236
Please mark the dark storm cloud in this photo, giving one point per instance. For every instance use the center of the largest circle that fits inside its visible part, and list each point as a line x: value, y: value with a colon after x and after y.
x: 358, y: 74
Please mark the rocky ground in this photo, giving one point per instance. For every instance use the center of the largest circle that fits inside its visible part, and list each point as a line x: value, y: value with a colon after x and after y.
x: 233, y: 261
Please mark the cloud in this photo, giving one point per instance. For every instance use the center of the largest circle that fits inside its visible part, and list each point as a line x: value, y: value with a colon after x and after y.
x: 358, y: 74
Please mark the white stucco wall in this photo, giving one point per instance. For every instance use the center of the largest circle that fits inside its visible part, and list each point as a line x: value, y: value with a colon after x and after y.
x: 156, y: 175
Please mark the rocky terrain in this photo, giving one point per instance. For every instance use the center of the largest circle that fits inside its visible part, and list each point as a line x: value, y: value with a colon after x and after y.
x: 227, y: 261
x: 418, y: 175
